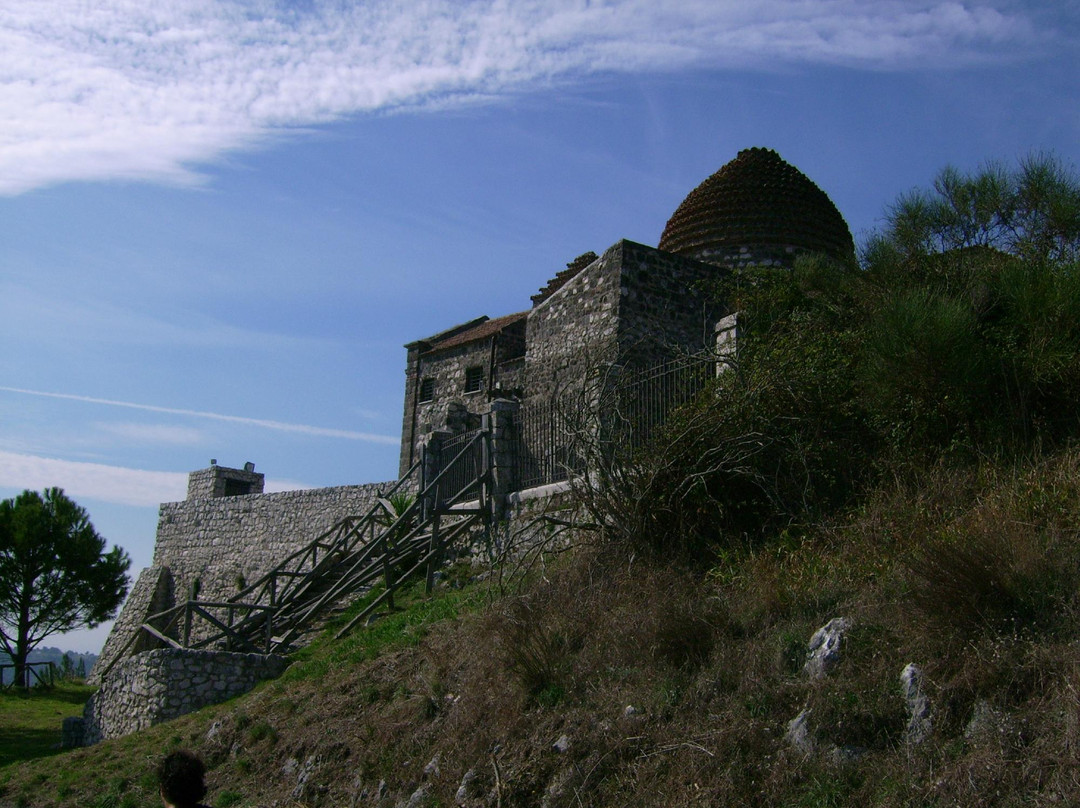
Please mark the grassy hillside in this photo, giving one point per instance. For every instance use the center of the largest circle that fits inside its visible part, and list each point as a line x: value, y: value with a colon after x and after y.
x: 617, y: 680
x: 896, y: 445
x: 31, y: 720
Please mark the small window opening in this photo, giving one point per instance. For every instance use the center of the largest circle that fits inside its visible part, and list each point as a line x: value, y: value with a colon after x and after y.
x: 237, y: 488
x: 427, y: 390
x: 474, y: 379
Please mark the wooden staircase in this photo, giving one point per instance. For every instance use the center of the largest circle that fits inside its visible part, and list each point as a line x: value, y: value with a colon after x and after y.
x: 400, y: 536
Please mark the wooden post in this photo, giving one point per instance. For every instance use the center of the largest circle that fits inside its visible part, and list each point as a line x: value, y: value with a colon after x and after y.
x: 187, y: 625
x: 386, y: 573
x: 433, y: 553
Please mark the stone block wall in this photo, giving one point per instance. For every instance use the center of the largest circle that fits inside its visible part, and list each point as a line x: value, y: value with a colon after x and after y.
x: 219, y: 481
x: 667, y: 305
x: 228, y: 541
x: 576, y: 327
x: 156, y: 686
x: 222, y: 542
x: 635, y: 305
x: 451, y: 408
x: 151, y: 594
x: 436, y: 397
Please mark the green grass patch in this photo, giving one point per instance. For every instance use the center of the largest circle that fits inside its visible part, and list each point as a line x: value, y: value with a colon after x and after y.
x: 414, y: 613
x: 32, y: 719
x: 227, y: 798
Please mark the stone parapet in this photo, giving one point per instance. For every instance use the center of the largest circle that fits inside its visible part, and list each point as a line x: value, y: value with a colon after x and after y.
x: 156, y: 686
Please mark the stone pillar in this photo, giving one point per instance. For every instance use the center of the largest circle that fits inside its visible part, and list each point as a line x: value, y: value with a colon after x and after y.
x: 502, y: 453
x: 726, y: 334
x: 432, y: 454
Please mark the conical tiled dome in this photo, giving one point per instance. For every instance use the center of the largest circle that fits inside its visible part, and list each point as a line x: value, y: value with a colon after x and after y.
x: 757, y: 207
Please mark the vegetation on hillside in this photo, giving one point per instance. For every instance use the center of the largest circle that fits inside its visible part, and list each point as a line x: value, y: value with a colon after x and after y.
x: 897, y: 445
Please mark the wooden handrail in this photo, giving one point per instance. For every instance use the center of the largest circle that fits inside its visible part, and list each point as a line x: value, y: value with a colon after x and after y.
x: 358, y: 550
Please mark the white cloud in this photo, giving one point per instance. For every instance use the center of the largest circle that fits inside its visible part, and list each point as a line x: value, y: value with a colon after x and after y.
x: 125, y: 89
x: 79, y: 480
x: 144, y: 434
x: 113, y: 484
x: 280, y: 426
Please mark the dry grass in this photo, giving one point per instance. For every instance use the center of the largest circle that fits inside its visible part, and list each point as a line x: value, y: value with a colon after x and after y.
x: 710, y: 665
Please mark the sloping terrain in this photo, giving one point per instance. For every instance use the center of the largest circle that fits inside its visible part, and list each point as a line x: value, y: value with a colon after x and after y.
x: 617, y: 680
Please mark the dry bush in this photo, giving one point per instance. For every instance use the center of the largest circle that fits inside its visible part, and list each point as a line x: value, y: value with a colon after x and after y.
x: 1010, y: 562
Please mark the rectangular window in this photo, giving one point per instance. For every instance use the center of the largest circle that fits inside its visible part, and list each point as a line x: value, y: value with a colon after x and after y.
x: 236, y: 488
x: 427, y: 389
x: 474, y: 379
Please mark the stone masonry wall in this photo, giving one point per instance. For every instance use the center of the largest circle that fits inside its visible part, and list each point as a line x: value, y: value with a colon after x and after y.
x: 152, y: 593
x: 576, y: 327
x: 156, y: 686
x: 225, y: 541
x: 666, y: 305
x: 452, y: 408
x: 635, y: 305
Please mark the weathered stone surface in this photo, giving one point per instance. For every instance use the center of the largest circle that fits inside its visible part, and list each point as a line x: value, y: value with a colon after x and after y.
x: 990, y: 726
x: 634, y: 305
x: 918, y: 705
x: 218, y: 544
x: 798, y: 733
x: 146, y: 689
x: 72, y: 732
x: 467, y: 790
x: 824, y: 649
x: 151, y: 594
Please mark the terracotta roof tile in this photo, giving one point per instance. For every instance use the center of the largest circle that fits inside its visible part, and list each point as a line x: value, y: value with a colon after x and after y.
x: 478, y: 332
x: 563, y: 276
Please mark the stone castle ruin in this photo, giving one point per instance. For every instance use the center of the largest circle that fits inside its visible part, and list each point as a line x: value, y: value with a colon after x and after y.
x: 631, y: 307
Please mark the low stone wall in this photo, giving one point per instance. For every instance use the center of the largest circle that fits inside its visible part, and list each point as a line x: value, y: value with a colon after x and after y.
x: 155, y: 686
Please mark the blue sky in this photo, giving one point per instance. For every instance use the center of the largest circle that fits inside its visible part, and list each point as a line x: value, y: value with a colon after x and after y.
x: 220, y: 221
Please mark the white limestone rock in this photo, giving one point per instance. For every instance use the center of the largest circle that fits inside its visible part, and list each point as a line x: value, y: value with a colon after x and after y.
x: 919, y: 723
x: 798, y: 733
x: 824, y: 649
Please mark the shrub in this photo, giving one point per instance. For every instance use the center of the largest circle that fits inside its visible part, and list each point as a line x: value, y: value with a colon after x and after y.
x: 261, y: 731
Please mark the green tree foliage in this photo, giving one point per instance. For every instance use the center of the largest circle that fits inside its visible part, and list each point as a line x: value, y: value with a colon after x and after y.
x: 55, y: 575
x: 975, y: 331
x: 1031, y: 212
x: 957, y: 337
x: 67, y: 668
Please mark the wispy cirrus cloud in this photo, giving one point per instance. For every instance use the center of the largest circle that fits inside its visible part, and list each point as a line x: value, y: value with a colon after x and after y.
x: 115, y: 484
x: 279, y: 426
x: 122, y: 89
x: 152, y: 434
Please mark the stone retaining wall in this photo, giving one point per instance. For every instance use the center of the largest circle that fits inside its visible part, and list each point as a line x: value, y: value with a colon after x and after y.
x: 156, y: 686
x: 151, y: 594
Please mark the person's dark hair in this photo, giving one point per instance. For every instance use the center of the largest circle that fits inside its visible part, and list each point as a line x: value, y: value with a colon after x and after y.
x: 181, y: 777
